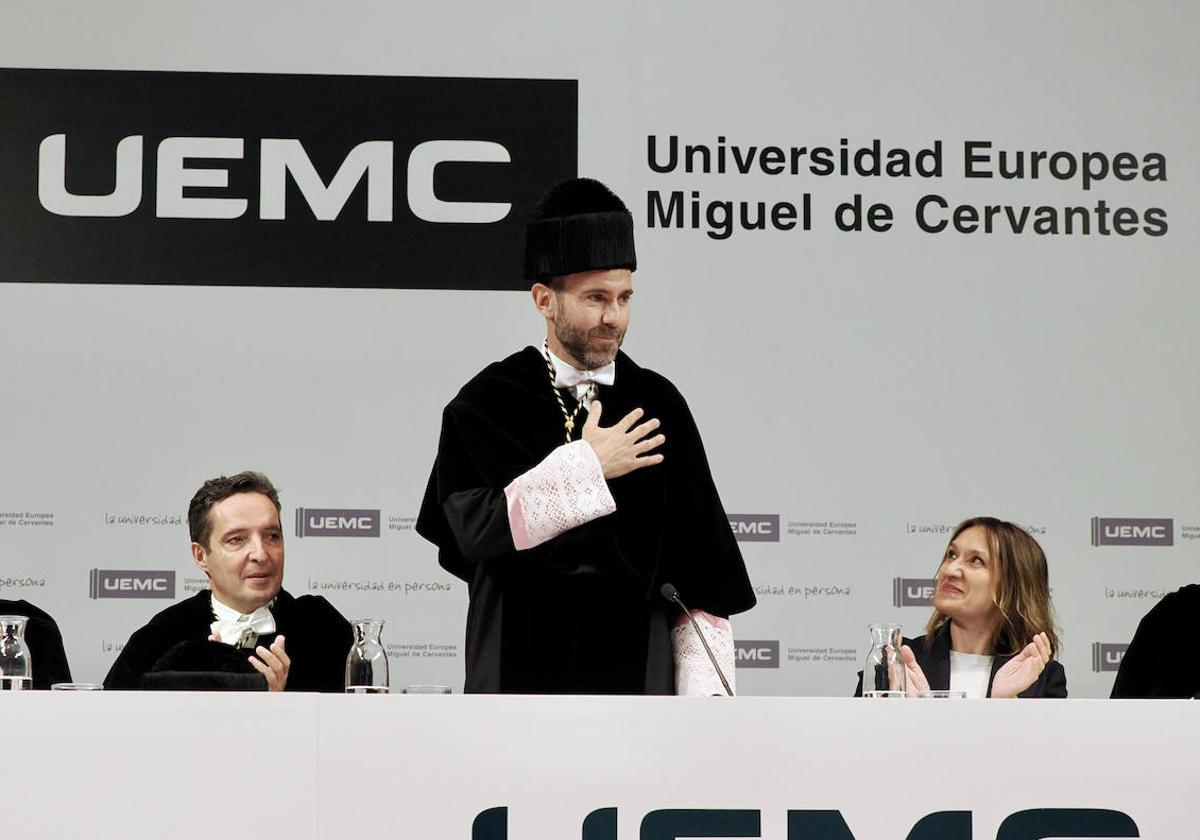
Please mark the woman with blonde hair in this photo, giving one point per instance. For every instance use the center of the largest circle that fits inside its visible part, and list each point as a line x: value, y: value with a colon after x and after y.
x: 992, y: 629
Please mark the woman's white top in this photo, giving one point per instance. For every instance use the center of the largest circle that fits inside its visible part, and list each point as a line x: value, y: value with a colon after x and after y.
x: 970, y: 672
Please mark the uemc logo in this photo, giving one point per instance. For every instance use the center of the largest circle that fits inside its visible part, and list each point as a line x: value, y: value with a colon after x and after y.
x: 1107, y: 657
x: 131, y: 583
x: 756, y: 654
x: 390, y: 179
x: 337, y: 522
x: 913, y: 592
x: 829, y: 824
x: 1126, y: 531
x: 755, y: 527
x: 370, y: 161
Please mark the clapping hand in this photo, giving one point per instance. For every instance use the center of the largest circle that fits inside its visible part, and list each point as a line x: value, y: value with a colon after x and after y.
x: 273, y: 663
x: 915, y: 681
x: 1022, y: 670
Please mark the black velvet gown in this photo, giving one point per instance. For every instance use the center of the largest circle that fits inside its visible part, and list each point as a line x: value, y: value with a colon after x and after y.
x: 1161, y: 660
x: 580, y: 613
x: 317, y: 641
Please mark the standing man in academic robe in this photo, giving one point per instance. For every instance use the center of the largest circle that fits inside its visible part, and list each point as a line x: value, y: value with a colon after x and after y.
x: 571, y: 484
x: 297, y: 644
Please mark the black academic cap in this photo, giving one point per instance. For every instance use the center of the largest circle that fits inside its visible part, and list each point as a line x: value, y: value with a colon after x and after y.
x: 578, y: 225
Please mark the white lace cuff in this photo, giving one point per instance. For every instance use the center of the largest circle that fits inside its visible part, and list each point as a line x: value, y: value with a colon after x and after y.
x: 694, y: 674
x: 563, y: 492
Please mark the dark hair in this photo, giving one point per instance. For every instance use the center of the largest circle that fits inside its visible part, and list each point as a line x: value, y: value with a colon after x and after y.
x: 1021, y: 585
x: 222, y: 487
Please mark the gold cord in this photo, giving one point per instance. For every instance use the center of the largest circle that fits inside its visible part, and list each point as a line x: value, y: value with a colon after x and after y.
x: 568, y: 416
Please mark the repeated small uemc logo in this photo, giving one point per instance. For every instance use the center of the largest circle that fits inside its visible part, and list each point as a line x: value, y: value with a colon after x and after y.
x: 337, y: 522
x: 1107, y: 656
x: 756, y: 653
x: 1129, y: 531
x: 913, y: 592
x: 131, y: 583
x: 755, y: 527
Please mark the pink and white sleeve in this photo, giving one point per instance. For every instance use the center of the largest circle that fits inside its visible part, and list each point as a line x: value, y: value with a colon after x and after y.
x: 694, y: 674
x: 564, y: 491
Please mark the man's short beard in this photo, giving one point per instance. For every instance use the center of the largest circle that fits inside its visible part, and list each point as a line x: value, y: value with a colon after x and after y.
x: 575, y: 341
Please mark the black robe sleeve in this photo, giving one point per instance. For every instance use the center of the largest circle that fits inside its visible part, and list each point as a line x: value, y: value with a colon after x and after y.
x: 1051, y: 683
x: 1136, y: 678
x: 317, y: 639
x: 186, y: 620
x: 465, y: 512
x: 1158, y: 662
x: 702, y: 558
x: 134, y: 660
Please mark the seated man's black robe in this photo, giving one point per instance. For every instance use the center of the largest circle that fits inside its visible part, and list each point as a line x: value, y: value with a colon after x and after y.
x: 1161, y: 661
x: 317, y: 641
x: 47, y: 659
x: 582, y: 612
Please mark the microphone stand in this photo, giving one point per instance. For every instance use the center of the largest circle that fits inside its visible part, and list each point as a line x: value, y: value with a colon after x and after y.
x: 672, y: 594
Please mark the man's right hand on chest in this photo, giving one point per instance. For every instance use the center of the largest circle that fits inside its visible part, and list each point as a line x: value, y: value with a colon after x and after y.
x: 624, y: 446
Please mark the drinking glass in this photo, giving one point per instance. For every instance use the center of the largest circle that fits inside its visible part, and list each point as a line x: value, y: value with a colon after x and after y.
x: 425, y: 689
x: 76, y: 687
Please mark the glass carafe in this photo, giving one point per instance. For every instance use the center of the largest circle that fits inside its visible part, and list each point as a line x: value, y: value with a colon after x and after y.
x: 883, y: 673
x: 367, y: 664
x: 16, y: 671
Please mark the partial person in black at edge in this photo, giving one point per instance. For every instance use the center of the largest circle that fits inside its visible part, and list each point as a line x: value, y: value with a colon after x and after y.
x: 1160, y: 661
x: 47, y: 658
x: 297, y: 644
x: 571, y: 484
x: 992, y: 629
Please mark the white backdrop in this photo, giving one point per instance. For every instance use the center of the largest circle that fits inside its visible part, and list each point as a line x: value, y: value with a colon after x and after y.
x: 881, y: 385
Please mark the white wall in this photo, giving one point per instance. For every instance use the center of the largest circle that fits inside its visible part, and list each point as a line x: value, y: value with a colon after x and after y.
x: 892, y: 380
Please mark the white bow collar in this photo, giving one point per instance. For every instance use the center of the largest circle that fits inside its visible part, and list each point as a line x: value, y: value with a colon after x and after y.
x: 240, y: 629
x: 569, y: 376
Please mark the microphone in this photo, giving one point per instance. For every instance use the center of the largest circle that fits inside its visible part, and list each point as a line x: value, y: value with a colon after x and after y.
x: 672, y: 594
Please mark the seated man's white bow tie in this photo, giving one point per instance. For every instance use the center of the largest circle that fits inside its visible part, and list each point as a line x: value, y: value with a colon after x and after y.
x: 244, y: 630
